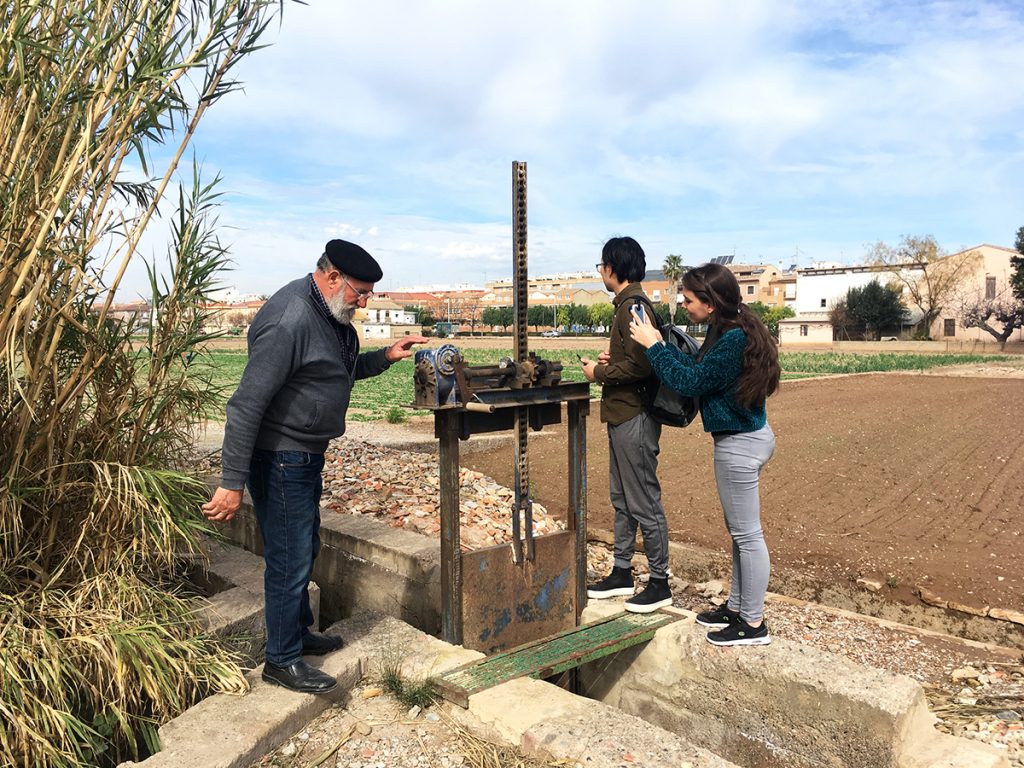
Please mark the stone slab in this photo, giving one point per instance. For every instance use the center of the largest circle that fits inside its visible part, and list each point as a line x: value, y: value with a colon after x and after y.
x: 781, y: 705
x: 542, y: 719
x: 226, y: 731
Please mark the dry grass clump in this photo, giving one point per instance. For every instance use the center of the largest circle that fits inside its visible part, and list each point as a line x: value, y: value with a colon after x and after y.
x: 96, y: 648
x: 480, y: 753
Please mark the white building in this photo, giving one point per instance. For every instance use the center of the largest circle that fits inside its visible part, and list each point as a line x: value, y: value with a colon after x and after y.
x: 384, y: 319
x: 818, y: 288
x: 990, y: 279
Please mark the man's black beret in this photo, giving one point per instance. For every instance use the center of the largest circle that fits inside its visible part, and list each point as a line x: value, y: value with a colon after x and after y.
x: 352, y: 261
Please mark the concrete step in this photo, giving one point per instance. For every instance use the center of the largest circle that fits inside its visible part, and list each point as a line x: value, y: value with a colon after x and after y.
x: 226, y: 731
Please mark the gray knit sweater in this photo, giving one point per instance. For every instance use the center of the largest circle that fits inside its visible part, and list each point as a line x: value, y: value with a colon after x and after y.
x: 295, y: 389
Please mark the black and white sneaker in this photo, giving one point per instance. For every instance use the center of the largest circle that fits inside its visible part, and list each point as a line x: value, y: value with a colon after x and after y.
x: 741, y: 633
x: 654, y: 596
x: 618, y: 583
x: 718, y: 618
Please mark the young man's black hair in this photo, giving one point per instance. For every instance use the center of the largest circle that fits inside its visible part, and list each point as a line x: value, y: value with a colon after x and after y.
x: 626, y: 259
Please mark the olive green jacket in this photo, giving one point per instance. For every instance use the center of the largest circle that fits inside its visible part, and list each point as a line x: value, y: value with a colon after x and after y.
x: 628, y: 366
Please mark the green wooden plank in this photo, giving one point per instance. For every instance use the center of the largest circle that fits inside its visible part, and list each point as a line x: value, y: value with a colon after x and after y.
x: 552, y: 655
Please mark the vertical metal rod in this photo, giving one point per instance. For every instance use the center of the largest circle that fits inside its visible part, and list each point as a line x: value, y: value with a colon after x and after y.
x: 517, y: 539
x: 451, y: 551
x: 520, y: 302
x: 520, y: 285
x: 577, y: 513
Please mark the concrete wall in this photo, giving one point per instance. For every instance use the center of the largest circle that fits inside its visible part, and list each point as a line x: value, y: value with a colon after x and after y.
x: 367, y: 564
x: 818, y: 332
x: 779, y: 706
x: 939, y: 346
x: 785, y: 705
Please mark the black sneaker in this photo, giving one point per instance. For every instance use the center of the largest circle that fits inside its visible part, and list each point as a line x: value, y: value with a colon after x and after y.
x: 616, y: 584
x: 718, y: 618
x: 741, y: 633
x: 655, y: 595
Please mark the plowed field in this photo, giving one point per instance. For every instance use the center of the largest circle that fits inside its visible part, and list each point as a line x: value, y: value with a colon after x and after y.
x: 911, y: 479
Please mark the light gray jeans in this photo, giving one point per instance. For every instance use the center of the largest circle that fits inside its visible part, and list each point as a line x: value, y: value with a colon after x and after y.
x: 738, y: 463
x: 636, y: 493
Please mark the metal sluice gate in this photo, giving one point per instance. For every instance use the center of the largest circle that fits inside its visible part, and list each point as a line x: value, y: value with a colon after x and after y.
x: 521, y: 600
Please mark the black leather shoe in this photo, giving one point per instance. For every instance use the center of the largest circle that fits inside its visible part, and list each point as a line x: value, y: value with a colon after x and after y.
x: 299, y: 677
x: 314, y: 644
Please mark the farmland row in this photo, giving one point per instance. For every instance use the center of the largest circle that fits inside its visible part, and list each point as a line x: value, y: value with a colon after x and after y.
x: 394, y: 387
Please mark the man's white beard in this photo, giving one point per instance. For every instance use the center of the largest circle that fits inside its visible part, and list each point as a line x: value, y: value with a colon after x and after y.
x: 341, y: 309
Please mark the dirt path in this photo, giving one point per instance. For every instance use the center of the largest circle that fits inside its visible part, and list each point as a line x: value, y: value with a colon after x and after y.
x: 912, y: 479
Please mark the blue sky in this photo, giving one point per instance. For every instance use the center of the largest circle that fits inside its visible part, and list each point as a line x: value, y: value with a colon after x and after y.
x: 778, y: 131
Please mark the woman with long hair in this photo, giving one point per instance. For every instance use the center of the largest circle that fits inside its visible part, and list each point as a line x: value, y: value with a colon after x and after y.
x: 735, y: 371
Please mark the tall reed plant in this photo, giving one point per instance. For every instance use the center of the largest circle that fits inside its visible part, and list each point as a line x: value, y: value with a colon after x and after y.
x: 97, y: 646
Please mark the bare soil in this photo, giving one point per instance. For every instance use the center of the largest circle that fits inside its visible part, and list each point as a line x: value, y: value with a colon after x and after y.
x: 914, y: 480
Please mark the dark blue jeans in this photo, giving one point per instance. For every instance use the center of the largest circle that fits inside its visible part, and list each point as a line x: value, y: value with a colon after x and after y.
x: 285, y: 487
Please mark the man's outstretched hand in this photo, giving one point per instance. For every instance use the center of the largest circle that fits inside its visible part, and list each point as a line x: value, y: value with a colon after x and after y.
x: 222, y: 507
x: 403, y: 348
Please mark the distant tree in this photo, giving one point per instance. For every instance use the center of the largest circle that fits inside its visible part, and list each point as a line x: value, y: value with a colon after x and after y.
x: 673, y: 269
x: 470, y: 310
x: 538, y: 315
x: 491, y: 316
x: 681, y: 316
x: 508, y: 317
x: 601, y: 315
x: 875, y: 308
x: 564, y: 316
x: 662, y: 314
x: 1017, y: 262
x: 422, y: 315
x: 842, y: 322
x: 580, y: 315
x: 760, y: 309
x: 771, y: 316
x: 937, y: 278
x: 1007, y: 310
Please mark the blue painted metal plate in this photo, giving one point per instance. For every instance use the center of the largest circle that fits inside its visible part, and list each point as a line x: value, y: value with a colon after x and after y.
x: 505, y: 605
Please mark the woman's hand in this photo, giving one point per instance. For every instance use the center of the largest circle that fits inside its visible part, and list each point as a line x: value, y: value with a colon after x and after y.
x: 643, y: 332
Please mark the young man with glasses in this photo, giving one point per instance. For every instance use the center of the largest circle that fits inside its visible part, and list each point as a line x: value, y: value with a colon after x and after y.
x: 633, y: 436
x: 303, y: 362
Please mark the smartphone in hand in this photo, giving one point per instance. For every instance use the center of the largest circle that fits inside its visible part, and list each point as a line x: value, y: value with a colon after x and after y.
x: 638, y: 312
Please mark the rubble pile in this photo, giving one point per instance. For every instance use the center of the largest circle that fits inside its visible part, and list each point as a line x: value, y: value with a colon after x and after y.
x: 402, y: 488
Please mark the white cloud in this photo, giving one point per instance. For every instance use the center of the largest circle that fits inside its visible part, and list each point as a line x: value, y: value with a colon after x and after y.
x: 696, y: 127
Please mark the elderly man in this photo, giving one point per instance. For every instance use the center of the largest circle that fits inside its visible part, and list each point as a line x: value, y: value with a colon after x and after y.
x: 303, y: 361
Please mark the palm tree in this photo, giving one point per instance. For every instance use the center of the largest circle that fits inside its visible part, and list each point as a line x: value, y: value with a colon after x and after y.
x: 673, y: 269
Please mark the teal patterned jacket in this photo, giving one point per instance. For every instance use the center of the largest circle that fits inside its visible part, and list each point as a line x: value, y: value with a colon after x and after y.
x: 713, y: 380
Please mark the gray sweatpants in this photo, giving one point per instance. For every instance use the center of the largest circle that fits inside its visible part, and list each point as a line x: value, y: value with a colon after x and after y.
x: 636, y: 492
x: 738, y: 463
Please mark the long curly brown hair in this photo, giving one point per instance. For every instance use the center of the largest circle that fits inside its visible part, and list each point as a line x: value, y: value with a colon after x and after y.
x: 715, y: 285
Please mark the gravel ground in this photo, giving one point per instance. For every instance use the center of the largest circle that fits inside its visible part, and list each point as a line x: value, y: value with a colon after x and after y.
x: 976, y: 692
x: 374, y: 731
